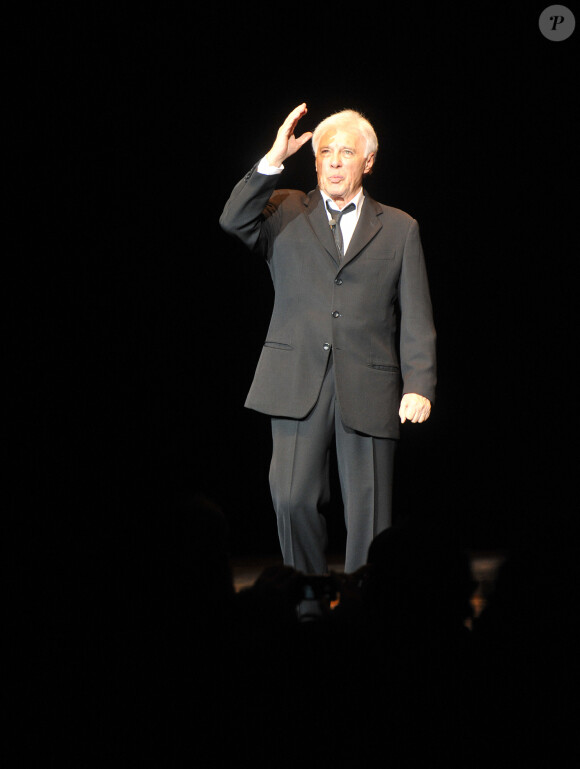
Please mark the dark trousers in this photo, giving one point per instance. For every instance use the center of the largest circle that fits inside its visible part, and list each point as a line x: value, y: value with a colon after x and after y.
x: 299, y: 482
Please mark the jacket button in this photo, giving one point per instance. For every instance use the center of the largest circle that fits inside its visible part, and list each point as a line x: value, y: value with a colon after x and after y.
x: 326, y: 347
x: 336, y: 314
x: 338, y: 281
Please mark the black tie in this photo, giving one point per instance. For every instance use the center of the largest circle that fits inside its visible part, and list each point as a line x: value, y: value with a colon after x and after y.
x: 335, y: 224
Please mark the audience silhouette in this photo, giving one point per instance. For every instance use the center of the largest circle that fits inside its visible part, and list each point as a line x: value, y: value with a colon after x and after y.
x: 525, y: 654
x: 397, y: 670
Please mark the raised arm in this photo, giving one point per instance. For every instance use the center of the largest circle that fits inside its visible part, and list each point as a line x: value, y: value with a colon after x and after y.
x: 243, y: 214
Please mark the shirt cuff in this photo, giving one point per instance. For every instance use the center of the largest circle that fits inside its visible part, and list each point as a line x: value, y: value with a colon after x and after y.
x: 265, y: 168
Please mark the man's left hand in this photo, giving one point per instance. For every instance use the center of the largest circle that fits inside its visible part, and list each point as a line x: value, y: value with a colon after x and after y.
x: 414, y: 408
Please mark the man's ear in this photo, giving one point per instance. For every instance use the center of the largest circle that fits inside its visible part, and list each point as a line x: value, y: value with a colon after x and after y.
x: 370, y: 161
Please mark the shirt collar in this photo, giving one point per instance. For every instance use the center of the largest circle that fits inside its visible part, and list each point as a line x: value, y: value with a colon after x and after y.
x: 357, y: 200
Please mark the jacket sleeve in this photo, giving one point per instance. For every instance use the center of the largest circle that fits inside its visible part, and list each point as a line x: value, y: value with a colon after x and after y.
x: 417, y: 337
x: 248, y: 208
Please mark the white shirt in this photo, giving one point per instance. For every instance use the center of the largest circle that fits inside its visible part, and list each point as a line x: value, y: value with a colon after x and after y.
x: 348, y: 221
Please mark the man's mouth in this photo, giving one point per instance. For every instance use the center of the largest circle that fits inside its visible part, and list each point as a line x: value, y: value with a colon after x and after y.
x: 335, y: 179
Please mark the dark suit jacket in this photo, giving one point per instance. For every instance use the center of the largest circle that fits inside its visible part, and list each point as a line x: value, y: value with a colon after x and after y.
x: 373, y: 309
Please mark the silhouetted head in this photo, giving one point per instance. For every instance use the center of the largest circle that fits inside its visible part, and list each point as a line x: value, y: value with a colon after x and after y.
x: 417, y: 577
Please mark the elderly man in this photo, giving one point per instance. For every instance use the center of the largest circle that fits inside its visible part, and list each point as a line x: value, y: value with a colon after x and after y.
x: 351, y: 331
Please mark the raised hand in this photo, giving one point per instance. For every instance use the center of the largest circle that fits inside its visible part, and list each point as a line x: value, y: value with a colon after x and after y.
x: 286, y: 143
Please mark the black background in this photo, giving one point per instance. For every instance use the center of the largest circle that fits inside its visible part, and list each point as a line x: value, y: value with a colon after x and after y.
x: 134, y: 323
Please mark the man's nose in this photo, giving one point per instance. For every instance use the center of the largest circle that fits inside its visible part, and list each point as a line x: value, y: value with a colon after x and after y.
x: 335, y: 160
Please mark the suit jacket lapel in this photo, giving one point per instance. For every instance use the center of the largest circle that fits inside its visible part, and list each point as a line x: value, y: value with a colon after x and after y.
x: 368, y: 225
x: 318, y: 220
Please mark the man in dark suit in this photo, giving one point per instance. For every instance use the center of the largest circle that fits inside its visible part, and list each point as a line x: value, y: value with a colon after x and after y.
x: 351, y: 331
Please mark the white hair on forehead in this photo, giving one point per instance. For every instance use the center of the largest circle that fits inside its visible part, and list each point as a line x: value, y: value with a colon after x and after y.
x: 347, y: 118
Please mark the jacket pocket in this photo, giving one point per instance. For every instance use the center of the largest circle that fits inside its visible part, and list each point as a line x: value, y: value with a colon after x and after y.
x: 278, y: 345
x: 381, y: 367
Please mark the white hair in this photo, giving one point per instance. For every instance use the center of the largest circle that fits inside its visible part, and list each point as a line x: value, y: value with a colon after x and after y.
x: 350, y: 118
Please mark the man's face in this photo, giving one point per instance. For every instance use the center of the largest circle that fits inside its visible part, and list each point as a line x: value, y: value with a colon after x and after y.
x: 341, y: 163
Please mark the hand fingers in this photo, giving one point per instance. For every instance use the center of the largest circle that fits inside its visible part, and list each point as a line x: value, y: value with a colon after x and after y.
x: 304, y: 138
x: 407, y: 411
x: 298, y: 112
x: 413, y: 413
x: 293, y: 118
x: 402, y: 414
x: 418, y: 415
